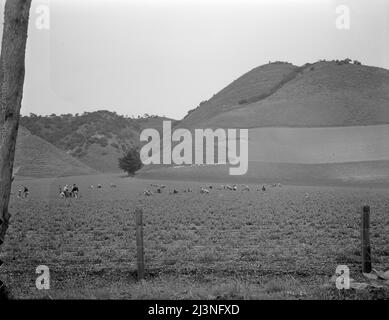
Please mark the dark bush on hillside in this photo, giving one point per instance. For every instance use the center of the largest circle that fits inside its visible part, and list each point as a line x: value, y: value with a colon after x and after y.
x: 189, y: 112
x: 74, y: 140
x: 103, y: 142
x: 130, y: 162
x: 115, y: 145
x: 100, y: 141
x: 257, y: 98
x: 78, y: 151
x: 286, y: 79
x: 341, y: 62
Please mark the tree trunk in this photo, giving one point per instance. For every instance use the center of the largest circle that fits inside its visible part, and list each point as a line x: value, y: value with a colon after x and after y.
x: 16, y: 14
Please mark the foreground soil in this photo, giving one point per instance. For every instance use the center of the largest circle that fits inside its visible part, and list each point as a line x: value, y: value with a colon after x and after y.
x: 282, y: 243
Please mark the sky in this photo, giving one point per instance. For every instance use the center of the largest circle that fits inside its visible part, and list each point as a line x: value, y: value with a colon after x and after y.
x: 166, y: 56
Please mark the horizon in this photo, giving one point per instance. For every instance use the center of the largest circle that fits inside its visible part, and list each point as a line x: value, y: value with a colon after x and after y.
x: 165, y: 57
x: 140, y: 115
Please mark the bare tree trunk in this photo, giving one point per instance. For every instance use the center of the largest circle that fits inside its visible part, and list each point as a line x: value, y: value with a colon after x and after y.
x: 13, y: 49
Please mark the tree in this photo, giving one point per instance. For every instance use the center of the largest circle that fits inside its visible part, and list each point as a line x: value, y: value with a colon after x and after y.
x: 130, y: 162
x: 12, y: 59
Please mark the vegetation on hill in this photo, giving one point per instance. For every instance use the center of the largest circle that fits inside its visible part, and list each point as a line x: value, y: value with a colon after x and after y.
x: 256, y: 82
x: 75, y: 133
x: 278, y: 94
x: 96, y: 138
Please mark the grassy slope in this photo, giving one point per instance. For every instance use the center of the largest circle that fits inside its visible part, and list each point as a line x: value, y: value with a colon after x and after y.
x: 260, y: 80
x: 343, y: 174
x: 324, y: 94
x: 328, y: 95
x: 38, y: 158
x: 319, y: 145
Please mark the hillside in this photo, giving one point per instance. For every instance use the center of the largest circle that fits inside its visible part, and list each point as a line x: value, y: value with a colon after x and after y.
x: 366, y: 173
x: 314, y: 95
x: 325, y: 122
x: 97, y: 139
x: 256, y: 83
x: 36, y: 157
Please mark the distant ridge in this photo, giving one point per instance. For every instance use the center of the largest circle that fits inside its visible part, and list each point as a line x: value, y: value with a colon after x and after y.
x: 97, y: 138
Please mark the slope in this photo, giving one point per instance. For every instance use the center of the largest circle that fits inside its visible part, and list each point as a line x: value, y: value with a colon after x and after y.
x: 322, y: 94
x: 326, y: 121
x: 36, y: 157
x: 97, y: 138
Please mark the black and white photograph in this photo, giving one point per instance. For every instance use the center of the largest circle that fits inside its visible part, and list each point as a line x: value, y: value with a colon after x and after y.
x: 207, y: 151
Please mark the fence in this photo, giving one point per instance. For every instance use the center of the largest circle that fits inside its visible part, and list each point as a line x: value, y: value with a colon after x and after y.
x: 365, y: 242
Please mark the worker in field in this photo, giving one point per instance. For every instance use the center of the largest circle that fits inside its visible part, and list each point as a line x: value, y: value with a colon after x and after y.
x: 66, y: 190
x: 75, y: 191
x: 25, y: 192
x: 20, y: 193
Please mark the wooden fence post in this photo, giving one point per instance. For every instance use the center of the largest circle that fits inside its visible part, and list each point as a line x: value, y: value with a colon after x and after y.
x: 365, y: 238
x: 139, y: 243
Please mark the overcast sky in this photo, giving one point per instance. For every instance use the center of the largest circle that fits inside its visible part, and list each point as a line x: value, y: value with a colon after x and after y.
x: 166, y: 56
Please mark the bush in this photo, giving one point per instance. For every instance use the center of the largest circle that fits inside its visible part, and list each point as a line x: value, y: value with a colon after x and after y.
x: 103, y: 142
x: 130, y: 162
x: 78, y: 150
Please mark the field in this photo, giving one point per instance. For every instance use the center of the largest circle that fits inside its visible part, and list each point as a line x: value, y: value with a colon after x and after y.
x: 284, y: 243
x: 348, y: 156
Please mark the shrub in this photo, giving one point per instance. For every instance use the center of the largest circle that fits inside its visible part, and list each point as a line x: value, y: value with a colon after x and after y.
x: 131, y: 161
x: 103, y: 142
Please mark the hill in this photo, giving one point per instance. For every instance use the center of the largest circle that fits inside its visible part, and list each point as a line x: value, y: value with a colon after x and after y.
x: 97, y: 139
x: 36, y: 157
x: 314, y: 95
x: 326, y: 121
x: 258, y: 82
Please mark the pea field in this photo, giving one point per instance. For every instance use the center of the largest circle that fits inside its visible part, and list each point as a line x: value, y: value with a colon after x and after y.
x: 281, y: 243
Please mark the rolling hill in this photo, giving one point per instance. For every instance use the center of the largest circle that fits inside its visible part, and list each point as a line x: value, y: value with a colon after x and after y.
x: 97, y: 139
x: 327, y: 121
x: 314, y: 95
x: 35, y: 157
